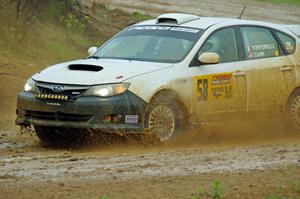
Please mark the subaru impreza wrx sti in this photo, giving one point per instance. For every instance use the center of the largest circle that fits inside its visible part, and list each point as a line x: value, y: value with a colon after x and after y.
x: 158, y: 75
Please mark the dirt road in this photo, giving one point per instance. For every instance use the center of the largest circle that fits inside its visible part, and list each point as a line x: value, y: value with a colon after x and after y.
x: 41, y: 163
x: 29, y: 169
x: 258, y: 10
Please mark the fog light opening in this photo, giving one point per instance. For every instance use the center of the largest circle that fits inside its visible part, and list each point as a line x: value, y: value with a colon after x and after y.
x: 112, y: 118
x: 116, y: 118
x: 107, y: 119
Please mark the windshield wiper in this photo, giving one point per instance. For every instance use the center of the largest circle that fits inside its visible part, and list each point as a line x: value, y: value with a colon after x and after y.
x: 93, y: 57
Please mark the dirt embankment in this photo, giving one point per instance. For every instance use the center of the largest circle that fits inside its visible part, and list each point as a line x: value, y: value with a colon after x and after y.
x: 43, y: 35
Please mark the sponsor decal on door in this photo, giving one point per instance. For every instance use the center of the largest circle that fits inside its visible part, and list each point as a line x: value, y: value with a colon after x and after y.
x: 213, y: 87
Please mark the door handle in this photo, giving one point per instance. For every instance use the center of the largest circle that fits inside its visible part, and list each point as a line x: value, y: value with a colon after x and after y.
x: 239, y: 73
x: 286, y: 68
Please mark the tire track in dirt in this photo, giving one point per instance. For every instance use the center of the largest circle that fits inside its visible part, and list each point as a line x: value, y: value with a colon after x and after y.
x: 257, y: 10
x: 61, y: 165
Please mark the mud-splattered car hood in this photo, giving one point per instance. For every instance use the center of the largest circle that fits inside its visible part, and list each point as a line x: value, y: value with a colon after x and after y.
x: 110, y: 71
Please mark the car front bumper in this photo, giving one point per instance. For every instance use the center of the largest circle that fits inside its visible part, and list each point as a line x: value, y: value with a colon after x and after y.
x: 84, y: 112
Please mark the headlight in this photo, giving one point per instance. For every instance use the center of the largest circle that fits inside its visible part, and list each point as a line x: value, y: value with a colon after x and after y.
x: 107, y: 90
x: 30, y: 86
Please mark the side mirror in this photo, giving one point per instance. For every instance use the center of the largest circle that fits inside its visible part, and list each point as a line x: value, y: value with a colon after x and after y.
x: 92, y: 50
x: 209, y: 58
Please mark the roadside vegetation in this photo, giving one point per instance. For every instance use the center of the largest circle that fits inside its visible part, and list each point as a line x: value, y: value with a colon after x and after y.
x: 289, y: 190
x: 103, y: 197
x: 216, y: 191
x: 293, y: 2
x: 37, y: 33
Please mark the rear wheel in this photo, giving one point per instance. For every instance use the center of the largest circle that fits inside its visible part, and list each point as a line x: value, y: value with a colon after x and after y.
x: 164, y: 118
x: 293, y: 111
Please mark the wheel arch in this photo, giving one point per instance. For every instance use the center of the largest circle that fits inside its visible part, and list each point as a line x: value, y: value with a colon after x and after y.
x: 172, y: 95
x: 292, y: 94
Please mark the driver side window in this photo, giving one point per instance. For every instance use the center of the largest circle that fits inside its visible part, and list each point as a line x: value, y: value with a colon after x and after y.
x: 222, y: 42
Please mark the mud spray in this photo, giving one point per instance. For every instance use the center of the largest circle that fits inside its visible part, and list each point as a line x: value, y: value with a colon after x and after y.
x: 207, y: 136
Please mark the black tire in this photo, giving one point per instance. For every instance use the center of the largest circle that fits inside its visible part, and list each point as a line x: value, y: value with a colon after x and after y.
x: 165, y: 118
x: 59, y: 136
x: 292, y: 120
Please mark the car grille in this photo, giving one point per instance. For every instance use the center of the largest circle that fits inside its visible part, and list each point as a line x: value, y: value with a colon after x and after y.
x: 64, y: 117
x: 70, y: 92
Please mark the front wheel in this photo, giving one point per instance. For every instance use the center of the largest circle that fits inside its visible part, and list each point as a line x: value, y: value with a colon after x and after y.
x: 164, y: 118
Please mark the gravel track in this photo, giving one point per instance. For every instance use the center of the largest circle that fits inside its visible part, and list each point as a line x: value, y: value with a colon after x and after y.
x: 257, y: 10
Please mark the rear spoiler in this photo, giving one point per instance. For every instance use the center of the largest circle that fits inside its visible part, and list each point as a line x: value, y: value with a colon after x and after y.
x: 294, y: 29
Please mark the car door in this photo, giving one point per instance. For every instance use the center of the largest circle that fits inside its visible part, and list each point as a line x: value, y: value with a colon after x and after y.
x: 269, y: 72
x: 219, y: 89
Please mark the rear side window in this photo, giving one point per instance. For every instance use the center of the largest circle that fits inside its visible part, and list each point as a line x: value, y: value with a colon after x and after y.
x: 259, y: 43
x: 288, y: 42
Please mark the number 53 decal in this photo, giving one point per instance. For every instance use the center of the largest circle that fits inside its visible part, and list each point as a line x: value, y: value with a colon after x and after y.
x: 213, y: 87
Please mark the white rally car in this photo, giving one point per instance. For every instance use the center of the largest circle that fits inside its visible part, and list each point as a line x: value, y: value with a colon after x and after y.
x: 157, y: 75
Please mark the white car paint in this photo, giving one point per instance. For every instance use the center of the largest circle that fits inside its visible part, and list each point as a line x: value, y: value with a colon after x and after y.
x: 148, y: 78
x: 112, y: 69
x: 294, y: 28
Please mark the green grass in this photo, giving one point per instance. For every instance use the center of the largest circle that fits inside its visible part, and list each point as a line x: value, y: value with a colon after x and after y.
x: 292, y: 2
x: 274, y: 197
x: 216, y: 191
x: 140, y: 17
x: 291, y: 189
x: 103, y: 197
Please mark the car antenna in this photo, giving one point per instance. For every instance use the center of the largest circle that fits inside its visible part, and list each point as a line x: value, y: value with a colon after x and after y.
x: 240, y: 17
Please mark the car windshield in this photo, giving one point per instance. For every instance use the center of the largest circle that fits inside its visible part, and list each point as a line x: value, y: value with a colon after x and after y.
x: 151, y: 43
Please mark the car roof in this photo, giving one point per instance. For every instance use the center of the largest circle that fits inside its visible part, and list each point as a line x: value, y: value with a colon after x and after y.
x: 194, y: 21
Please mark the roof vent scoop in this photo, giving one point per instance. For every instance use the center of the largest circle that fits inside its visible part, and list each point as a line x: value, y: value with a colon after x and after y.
x: 84, y: 67
x: 176, y: 18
